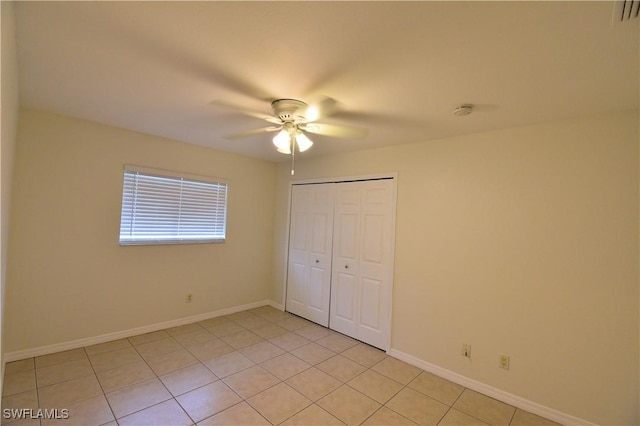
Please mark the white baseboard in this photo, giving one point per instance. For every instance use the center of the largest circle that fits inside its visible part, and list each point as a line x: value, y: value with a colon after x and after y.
x: 500, y: 395
x: 79, y: 343
x: 278, y: 306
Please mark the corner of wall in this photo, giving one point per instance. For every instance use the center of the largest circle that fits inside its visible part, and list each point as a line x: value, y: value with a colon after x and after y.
x: 9, y: 124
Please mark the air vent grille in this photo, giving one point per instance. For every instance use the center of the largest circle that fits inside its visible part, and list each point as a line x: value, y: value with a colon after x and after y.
x: 626, y: 10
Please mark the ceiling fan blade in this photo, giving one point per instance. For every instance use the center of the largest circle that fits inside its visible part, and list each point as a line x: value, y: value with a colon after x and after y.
x: 253, y: 132
x: 334, y: 130
x: 246, y: 111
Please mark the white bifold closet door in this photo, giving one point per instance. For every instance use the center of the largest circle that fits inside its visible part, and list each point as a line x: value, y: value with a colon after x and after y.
x: 341, y: 257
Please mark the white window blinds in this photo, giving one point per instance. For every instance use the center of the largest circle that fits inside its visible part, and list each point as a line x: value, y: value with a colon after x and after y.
x: 160, y: 207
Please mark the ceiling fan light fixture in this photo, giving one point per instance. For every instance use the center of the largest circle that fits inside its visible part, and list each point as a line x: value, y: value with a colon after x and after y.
x: 304, y: 143
x: 284, y: 150
x: 312, y: 113
x: 282, y: 141
x: 292, y: 118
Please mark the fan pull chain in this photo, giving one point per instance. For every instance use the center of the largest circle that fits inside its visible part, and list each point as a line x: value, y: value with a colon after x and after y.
x: 293, y: 155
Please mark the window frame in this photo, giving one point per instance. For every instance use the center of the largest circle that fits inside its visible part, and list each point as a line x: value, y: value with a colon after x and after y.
x: 183, y: 178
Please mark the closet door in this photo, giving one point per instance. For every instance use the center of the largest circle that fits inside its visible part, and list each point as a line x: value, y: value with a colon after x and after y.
x: 310, y: 247
x: 362, y: 261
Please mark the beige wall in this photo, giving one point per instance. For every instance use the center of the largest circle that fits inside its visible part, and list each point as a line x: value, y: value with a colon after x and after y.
x: 521, y: 242
x: 10, y: 108
x: 67, y: 276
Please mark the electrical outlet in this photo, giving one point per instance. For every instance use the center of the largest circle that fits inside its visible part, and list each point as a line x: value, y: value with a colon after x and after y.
x: 504, y: 362
x: 466, y: 350
x: 189, y: 298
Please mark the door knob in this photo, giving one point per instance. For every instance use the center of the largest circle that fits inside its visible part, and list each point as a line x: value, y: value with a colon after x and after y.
x: 346, y: 266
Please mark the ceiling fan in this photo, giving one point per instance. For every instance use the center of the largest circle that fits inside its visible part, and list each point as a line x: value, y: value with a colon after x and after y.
x: 292, y: 119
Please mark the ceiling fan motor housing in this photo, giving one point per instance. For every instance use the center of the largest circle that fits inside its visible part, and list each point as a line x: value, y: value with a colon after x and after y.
x: 289, y: 110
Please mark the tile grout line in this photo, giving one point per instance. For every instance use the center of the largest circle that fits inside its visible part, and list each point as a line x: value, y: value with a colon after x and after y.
x: 384, y: 405
x: 246, y: 401
x: 221, y: 379
x: 513, y: 415
x: 463, y: 412
x: 35, y: 376
x: 37, y: 389
x: 230, y: 388
x: 451, y: 407
x: 157, y: 377
x: 96, y: 377
x: 200, y: 362
x: 104, y: 394
x: 282, y: 381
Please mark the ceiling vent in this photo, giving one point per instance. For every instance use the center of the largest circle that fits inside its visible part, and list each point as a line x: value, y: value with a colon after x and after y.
x: 626, y: 10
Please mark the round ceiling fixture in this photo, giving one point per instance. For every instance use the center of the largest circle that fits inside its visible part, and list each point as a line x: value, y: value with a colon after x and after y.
x: 462, y: 110
x: 289, y: 110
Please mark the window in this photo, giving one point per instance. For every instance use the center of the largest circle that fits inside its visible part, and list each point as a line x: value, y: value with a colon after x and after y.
x: 160, y: 207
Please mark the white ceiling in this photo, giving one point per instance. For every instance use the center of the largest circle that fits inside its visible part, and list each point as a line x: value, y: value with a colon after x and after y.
x: 397, y: 68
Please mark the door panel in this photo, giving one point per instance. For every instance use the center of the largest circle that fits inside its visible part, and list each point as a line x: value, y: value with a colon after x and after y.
x: 362, y: 237
x: 348, y: 242
x: 310, y: 248
x: 343, y: 309
x: 344, y: 284
x: 297, y: 269
x: 316, y: 288
x: 319, y: 233
x: 373, y: 234
x: 376, y: 268
x: 370, y: 303
x: 296, y: 289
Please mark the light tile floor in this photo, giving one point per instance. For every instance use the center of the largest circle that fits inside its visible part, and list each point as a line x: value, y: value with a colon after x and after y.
x: 257, y: 367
